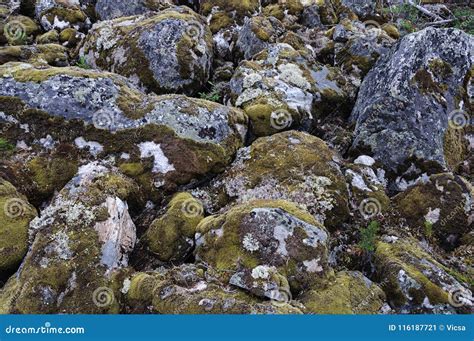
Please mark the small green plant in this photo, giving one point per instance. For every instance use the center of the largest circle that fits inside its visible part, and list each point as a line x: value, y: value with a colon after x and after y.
x: 428, y: 229
x: 368, y: 236
x: 407, y: 26
x: 213, y: 95
x: 5, y: 145
x: 82, y: 63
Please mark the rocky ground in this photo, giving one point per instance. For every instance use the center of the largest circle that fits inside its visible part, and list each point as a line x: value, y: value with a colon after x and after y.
x: 218, y: 156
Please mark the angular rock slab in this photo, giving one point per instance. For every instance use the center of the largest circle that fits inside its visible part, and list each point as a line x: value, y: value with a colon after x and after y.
x: 412, y: 107
x: 160, y: 141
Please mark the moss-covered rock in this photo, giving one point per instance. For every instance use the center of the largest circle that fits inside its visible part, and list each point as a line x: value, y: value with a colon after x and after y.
x: 266, y: 233
x: 59, y: 14
x: 425, y: 70
x: 167, y: 52
x: 413, y: 280
x: 18, y: 30
x: 15, y: 216
x: 256, y: 34
x: 358, y: 46
x: 171, y: 237
x: 237, y: 10
x: 189, y: 289
x: 281, y: 89
x: 49, y: 37
x: 111, y: 9
x: 349, y: 293
x: 81, y: 237
x: 52, y: 54
x: 162, y: 142
x: 441, y: 208
x: 293, y: 166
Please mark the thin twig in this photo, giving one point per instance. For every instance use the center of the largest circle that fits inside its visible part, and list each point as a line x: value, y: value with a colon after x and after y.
x: 441, y: 22
x: 424, y: 10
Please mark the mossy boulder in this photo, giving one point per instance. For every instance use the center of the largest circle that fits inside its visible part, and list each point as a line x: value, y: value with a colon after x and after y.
x: 112, y: 9
x: 280, y: 89
x: 15, y: 216
x: 358, y: 46
x: 167, y: 52
x: 189, y: 289
x: 364, y: 9
x: 263, y: 281
x: 414, y: 280
x: 52, y: 54
x: 293, y: 166
x: 84, y: 235
x: 18, y: 30
x: 272, y: 233
x: 256, y: 34
x: 49, y: 37
x: 426, y: 69
x: 349, y: 293
x: 234, y: 9
x: 59, y: 14
x: 171, y: 236
x: 441, y: 208
x: 161, y: 141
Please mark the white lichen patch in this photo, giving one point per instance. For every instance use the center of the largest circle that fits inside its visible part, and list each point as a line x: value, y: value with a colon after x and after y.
x: 161, y: 163
x: 313, y: 265
x: 250, y: 243
x: 432, y: 216
x: 260, y: 272
x: 95, y: 148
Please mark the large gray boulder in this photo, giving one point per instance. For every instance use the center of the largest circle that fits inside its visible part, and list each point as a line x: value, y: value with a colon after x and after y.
x: 111, y: 9
x: 413, y: 109
x: 167, y: 52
